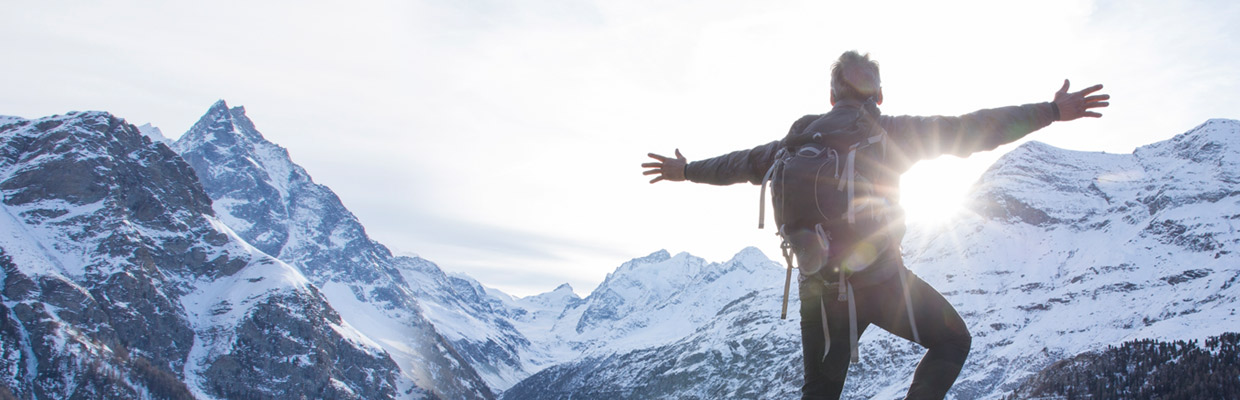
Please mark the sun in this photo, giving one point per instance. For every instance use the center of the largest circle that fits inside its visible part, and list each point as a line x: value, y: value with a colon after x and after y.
x: 934, y: 192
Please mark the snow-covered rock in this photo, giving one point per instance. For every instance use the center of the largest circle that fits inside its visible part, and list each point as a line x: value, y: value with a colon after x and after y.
x: 130, y: 270
x: 1065, y: 252
x: 120, y: 281
x: 273, y: 204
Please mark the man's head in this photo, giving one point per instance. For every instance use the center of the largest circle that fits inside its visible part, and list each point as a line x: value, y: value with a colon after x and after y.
x: 855, y: 77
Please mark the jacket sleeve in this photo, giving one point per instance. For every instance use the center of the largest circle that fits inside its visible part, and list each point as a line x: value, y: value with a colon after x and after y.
x: 742, y: 165
x: 920, y: 138
x: 735, y: 167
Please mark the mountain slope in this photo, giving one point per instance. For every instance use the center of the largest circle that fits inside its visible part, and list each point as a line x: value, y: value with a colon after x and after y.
x: 130, y: 271
x: 274, y: 204
x: 1132, y: 247
x: 119, y: 281
x: 1064, y: 253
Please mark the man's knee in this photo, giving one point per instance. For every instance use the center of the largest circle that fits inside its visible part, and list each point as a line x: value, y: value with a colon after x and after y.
x: 965, y: 342
x: 957, y: 344
x: 957, y: 334
x: 952, y: 339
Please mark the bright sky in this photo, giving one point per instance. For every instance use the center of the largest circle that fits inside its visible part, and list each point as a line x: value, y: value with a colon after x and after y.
x: 502, y: 139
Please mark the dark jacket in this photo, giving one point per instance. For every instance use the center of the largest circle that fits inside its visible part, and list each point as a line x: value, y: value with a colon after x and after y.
x: 909, y: 139
x: 913, y: 138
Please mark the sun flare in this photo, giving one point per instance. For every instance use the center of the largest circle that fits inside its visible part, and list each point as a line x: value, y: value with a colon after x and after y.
x: 934, y: 192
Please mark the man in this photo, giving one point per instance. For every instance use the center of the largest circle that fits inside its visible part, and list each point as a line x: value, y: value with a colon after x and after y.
x: 880, y: 289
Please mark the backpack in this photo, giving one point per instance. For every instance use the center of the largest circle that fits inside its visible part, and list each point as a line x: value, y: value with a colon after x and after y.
x: 835, y: 200
x: 831, y: 193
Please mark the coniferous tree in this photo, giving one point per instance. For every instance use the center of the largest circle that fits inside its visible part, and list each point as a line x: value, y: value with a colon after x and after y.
x: 1144, y: 369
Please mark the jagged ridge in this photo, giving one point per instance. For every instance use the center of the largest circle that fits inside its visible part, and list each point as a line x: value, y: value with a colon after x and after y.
x: 119, y: 282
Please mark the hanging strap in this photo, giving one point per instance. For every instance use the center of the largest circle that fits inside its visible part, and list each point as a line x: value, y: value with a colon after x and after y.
x: 826, y: 328
x: 908, y: 304
x: 770, y: 173
x: 854, y: 357
x: 787, y: 249
x: 846, y: 294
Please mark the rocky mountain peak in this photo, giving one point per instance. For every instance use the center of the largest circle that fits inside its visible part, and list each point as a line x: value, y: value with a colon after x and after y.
x: 273, y: 204
x: 120, y: 282
x: 223, y: 128
x: 1031, y: 184
x: 155, y: 134
x: 86, y: 157
x: 1208, y: 141
x: 655, y: 257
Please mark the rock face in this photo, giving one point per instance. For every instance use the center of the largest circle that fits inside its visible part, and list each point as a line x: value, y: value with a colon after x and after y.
x: 273, y: 204
x: 120, y: 282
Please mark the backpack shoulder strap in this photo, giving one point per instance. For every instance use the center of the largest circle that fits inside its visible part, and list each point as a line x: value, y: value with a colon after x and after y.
x: 796, y: 129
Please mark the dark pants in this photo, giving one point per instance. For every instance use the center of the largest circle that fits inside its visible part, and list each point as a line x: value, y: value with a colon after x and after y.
x: 940, y: 328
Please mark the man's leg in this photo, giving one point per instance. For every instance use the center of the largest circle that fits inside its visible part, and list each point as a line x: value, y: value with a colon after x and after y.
x: 824, y: 379
x: 939, y: 327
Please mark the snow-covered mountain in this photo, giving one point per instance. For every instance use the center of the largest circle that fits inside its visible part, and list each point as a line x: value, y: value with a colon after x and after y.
x: 274, y: 204
x: 1064, y: 252
x: 224, y: 271
x: 120, y: 282
x: 677, y: 327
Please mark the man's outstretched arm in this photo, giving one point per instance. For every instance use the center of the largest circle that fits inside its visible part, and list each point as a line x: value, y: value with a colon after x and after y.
x: 920, y: 138
x: 736, y: 167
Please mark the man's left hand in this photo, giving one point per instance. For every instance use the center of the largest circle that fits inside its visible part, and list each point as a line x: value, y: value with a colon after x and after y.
x: 1077, y: 105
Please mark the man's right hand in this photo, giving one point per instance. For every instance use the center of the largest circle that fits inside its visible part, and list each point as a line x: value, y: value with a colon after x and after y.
x: 670, y: 169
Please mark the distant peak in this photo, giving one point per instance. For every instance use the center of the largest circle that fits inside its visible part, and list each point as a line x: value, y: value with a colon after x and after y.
x: 222, y: 107
x: 657, y: 256
x: 750, y: 253
x: 223, y: 125
x: 154, y: 133
x: 1211, y: 140
x: 1217, y: 130
x: 1031, y: 152
x: 562, y: 287
x: 1034, y: 145
x: 219, y: 105
x: 1032, y: 149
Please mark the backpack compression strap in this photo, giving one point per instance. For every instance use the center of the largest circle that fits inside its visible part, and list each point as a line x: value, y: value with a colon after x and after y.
x: 850, y: 170
x: 770, y: 173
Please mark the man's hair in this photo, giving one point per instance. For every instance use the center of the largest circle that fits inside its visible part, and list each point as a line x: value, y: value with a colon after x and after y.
x: 854, y: 76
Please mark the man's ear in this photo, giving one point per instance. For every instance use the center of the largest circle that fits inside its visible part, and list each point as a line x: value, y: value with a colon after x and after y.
x: 880, y: 97
x: 832, y: 98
